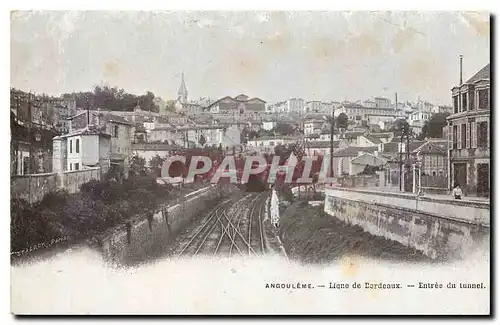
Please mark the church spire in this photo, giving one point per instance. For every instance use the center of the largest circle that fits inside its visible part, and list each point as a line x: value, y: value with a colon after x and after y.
x: 182, y: 94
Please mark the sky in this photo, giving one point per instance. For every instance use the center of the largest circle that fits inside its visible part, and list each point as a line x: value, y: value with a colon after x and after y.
x: 271, y: 55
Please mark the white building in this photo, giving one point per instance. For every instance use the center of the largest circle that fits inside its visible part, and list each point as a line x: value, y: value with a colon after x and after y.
x: 268, y: 125
x: 359, y: 113
x: 381, y: 102
x: 317, y: 106
x: 292, y: 105
x: 81, y: 149
x: 295, y: 105
x: 313, y: 126
x: 267, y: 144
x: 416, y: 120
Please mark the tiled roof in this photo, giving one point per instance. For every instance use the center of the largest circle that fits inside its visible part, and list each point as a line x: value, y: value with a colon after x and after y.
x: 314, y: 121
x: 276, y: 138
x: 390, y: 147
x: 85, y: 131
x: 353, y: 151
x: 322, y: 144
x: 381, y: 135
x: 484, y: 73
x: 434, y: 147
x: 416, y: 144
x: 237, y: 100
x: 353, y: 105
x: 114, y: 118
x: 382, y: 160
x: 373, y: 139
x: 353, y: 134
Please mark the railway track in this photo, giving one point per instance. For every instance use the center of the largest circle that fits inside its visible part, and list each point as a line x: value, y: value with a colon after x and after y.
x: 233, y: 227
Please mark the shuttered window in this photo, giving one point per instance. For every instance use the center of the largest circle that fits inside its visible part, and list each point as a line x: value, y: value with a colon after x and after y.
x: 459, y: 137
x: 474, y: 135
x: 450, y: 137
x: 467, y: 140
x: 488, y: 135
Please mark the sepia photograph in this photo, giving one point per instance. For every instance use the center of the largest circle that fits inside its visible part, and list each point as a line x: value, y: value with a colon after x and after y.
x: 250, y: 163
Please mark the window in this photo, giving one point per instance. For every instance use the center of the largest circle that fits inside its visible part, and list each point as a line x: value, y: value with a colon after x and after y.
x: 471, y: 101
x: 77, y: 149
x: 473, y: 131
x: 464, y: 102
x: 455, y: 137
x: 467, y: 138
x: 26, y: 165
x: 70, y: 166
x: 433, y: 173
x: 483, y: 99
x: 70, y: 146
x: 115, y: 134
x: 463, y: 136
x: 482, y: 134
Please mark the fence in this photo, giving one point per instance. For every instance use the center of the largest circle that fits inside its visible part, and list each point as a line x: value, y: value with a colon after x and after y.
x: 33, y: 187
x: 359, y: 181
x: 72, y: 180
x: 433, y: 184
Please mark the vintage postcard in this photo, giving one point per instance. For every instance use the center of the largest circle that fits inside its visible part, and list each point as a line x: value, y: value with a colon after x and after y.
x: 250, y: 162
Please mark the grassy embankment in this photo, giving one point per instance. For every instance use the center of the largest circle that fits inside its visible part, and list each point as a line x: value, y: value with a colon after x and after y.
x: 312, y: 236
x: 63, y: 218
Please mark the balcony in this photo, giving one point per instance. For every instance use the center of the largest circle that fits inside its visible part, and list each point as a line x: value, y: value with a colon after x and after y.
x: 470, y: 153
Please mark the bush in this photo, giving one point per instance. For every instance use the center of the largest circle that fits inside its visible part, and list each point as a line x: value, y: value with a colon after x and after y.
x: 98, y: 206
x: 28, y: 226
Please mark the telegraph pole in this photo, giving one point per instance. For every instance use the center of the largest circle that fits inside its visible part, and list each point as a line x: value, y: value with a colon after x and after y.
x: 401, y: 160
x: 332, y: 127
x: 30, y: 159
x: 30, y: 117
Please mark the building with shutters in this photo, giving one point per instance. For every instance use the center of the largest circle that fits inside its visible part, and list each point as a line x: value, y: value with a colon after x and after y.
x: 469, y: 135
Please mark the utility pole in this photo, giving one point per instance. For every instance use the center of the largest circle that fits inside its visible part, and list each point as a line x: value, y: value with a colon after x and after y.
x: 88, y: 113
x: 30, y: 125
x: 407, y: 166
x: 401, y: 160
x: 332, y: 127
x: 30, y: 159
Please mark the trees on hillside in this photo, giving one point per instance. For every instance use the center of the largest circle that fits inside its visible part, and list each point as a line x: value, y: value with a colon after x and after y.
x: 283, y: 152
x: 114, y: 99
x: 284, y: 129
x: 399, y: 126
x: 433, y: 127
x: 342, y: 121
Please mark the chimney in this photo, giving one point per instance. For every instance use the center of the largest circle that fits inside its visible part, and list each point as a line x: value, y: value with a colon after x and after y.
x: 461, y: 63
x: 396, y: 106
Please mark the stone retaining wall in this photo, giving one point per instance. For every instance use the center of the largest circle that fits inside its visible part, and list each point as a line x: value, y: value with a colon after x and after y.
x: 149, y: 236
x: 435, y: 235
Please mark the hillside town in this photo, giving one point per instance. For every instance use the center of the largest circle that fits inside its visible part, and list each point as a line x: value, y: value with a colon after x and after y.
x: 72, y: 137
